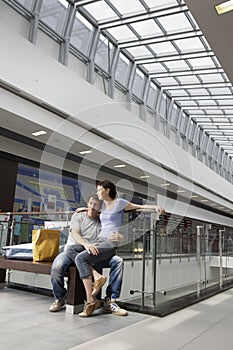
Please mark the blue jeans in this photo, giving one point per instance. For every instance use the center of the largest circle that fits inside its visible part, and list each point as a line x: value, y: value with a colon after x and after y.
x: 63, y: 261
x: 84, y: 260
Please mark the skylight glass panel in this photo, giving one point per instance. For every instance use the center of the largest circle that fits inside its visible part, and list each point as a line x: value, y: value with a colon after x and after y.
x: 188, y: 79
x: 215, y: 133
x: 163, y: 48
x: 81, y: 33
x: 139, y: 51
x: 147, y: 28
x: 160, y: 3
x: 100, y: 10
x: 188, y: 103
x: 220, y: 91
x: 207, y: 103
x: 126, y: 7
x: 26, y: 3
x: 211, y: 78
x: 122, y: 33
x: 167, y: 81
x: 64, y: 3
x: 122, y: 70
x: 224, y: 127
x: 202, y: 120
x: 225, y: 102
x: 209, y: 127
x: 175, y: 23
x: 155, y: 67
x: 104, y: 52
x: 220, y: 124
x: 137, y: 83
x: 197, y: 114
x: 201, y: 62
x: 220, y: 120
x: 215, y: 112
x: 189, y: 44
x: 178, y: 93
x: 53, y: 14
x: 177, y: 65
x: 151, y: 96
x: 193, y: 92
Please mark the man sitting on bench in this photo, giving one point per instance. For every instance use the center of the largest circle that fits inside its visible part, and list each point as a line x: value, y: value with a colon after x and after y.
x: 84, y: 228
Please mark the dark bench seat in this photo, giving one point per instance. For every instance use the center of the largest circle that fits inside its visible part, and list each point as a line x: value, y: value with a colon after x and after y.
x: 75, y: 289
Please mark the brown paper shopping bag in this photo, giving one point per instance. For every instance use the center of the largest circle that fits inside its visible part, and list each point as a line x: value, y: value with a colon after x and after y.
x: 45, y: 244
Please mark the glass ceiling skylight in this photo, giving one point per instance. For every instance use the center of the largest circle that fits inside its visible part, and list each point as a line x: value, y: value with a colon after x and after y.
x: 164, y: 40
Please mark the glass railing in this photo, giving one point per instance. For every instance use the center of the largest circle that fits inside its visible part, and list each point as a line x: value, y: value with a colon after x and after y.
x: 165, y: 270
x: 16, y: 227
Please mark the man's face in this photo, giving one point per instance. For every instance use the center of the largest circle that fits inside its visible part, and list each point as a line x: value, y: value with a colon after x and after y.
x: 93, y: 208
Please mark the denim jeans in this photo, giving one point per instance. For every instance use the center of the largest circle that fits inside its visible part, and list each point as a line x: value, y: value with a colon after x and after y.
x: 83, y: 260
x: 60, y: 265
x: 62, y: 262
x: 116, y: 265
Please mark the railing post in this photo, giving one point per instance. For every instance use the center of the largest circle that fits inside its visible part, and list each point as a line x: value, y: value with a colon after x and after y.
x: 11, y: 231
x: 154, y: 254
x: 143, y: 260
x: 199, y: 260
x: 220, y: 258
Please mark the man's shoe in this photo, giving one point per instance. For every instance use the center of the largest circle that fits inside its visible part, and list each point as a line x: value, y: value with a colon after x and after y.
x: 57, y: 305
x: 89, y: 308
x: 110, y: 306
x: 97, y: 285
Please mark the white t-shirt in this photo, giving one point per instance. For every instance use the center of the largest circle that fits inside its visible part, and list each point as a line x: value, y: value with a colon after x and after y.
x: 87, y: 227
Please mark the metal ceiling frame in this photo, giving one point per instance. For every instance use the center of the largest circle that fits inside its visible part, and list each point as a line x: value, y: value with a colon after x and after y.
x: 141, y: 64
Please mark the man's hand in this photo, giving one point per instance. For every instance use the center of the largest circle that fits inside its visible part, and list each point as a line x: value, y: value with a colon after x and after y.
x: 81, y: 209
x: 116, y: 237
x: 91, y: 248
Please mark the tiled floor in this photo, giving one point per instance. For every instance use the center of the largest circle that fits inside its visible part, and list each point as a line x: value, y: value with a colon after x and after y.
x: 26, y: 323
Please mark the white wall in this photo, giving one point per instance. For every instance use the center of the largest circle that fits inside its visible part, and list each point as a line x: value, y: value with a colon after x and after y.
x: 41, y: 78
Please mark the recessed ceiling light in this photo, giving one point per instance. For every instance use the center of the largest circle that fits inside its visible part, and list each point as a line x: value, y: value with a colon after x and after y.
x: 164, y: 185
x: 194, y: 196
x: 120, y: 166
x: 180, y: 191
x: 204, y: 200
x: 224, y: 7
x: 39, y: 133
x: 85, y: 152
x: 144, y: 177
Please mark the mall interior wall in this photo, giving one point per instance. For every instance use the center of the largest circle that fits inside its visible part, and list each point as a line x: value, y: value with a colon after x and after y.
x: 41, y: 82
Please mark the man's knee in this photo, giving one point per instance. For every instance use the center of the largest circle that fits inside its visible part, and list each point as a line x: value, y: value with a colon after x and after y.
x: 116, y: 261
x: 60, y: 264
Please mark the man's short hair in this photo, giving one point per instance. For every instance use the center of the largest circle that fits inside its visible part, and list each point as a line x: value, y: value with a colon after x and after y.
x: 93, y: 196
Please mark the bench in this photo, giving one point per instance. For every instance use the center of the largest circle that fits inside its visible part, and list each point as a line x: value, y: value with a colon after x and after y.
x: 75, y: 289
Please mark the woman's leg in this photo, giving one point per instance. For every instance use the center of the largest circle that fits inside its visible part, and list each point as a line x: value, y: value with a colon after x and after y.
x: 83, y: 262
x: 72, y: 251
x: 87, y: 282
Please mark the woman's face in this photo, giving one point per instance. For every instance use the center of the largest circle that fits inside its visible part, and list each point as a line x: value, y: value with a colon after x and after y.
x: 102, y: 193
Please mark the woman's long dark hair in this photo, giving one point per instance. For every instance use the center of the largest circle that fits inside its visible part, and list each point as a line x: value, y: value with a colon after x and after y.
x: 108, y: 184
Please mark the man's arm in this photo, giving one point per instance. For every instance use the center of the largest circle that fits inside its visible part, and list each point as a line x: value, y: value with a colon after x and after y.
x: 90, y: 247
x: 80, y: 210
x: 116, y: 237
